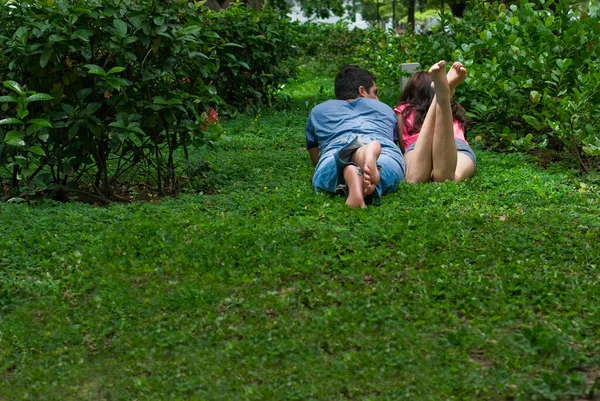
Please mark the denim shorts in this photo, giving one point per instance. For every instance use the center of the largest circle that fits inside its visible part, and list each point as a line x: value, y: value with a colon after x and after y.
x: 461, y: 146
x: 329, y: 172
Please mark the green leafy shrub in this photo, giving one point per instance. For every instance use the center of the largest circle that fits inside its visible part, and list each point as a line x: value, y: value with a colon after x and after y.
x: 534, y: 79
x: 24, y: 160
x: 333, y: 43
x: 257, y: 57
x: 534, y: 72
x: 132, y: 83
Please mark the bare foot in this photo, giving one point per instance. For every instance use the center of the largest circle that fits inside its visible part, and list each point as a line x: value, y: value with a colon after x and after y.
x: 355, y: 201
x: 369, y: 189
x: 355, y: 187
x: 366, y: 157
x: 440, y: 82
x: 456, y: 76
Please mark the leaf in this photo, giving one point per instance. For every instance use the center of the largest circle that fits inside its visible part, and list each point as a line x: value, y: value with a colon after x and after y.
x: 117, y: 82
x: 243, y: 64
x: 44, y: 136
x: 38, y: 97
x: 11, y: 120
x: 56, y: 38
x: 121, y: 27
x: 231, y: 44
x: 94, y: 69
x: 532, y: 121
x: 15, y: 138
x: 67, y: 108
x: 116, y: 124
x: 14, y: 86
x: 130, y: 39
x: 212, y: 34
x: 115, y: 70
x: 8, y: 99
x: 190, y: 30
x: 93, y: 107
x: 137, y: 130
x: 22, y: 113
x: 42, y: 122
x: 198, y: 54
x: 83, y: 34
x: 84, y: 93
x: 45, y: 57
x: 535, y: 96
x: 37, y: 150
x: 22, y: 33
x: 74, y: 128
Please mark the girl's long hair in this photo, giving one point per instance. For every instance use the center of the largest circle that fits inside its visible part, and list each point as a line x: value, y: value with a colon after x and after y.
x: 418, y: 95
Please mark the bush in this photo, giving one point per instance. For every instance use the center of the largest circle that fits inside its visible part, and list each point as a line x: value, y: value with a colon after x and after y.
x: 333, y: 43
x: 534, y: 79
x: 262, y: 59
x: 130, y: 83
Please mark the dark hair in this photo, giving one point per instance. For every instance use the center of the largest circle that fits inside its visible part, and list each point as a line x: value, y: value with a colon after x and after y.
x: 349, y: 79
x: 418, y: 95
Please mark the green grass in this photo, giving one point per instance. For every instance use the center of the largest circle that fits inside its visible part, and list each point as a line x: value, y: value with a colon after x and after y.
x: 482, y: 290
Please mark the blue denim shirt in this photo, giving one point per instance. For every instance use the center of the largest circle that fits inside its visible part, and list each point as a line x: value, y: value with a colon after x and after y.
x: 338, y: 119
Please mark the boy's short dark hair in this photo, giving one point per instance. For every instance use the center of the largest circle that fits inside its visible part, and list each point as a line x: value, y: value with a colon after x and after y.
x: 349, y: 79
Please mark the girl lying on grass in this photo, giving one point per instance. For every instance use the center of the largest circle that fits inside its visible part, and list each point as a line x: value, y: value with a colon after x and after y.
x: 432, y: 127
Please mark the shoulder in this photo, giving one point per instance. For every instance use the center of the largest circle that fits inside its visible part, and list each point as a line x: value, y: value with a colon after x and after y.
x: 400, y: 108
x: 329, y: 105
x: 372, y: 104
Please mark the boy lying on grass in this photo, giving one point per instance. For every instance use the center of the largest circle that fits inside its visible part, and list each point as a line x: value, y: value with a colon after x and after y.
x: 351, y: 141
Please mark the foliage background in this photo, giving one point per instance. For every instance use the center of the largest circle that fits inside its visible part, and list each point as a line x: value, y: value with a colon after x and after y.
x: 125, y: 85
x: 268, y: 291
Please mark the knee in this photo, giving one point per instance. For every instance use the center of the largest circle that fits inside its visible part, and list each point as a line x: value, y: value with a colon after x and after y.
x: 417, y: 178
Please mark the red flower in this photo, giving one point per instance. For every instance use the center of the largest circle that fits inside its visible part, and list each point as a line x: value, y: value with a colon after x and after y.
x: 185, y: 80
x: 211, y: 116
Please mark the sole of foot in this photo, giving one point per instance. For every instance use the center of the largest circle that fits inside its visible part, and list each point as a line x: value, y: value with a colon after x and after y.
x: 440, y: 81
x: 370, y: 171
x: 456, y: 75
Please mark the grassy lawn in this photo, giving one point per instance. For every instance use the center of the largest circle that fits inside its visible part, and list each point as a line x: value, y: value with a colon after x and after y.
x: 482, y: 290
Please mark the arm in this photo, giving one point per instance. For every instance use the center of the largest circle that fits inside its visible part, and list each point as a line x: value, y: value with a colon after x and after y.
x: 400, y: 128
x: 314, y: 155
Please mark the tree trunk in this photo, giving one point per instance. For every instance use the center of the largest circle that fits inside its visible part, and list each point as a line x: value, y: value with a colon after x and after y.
x: 458, y: 8
x: 411, y: 16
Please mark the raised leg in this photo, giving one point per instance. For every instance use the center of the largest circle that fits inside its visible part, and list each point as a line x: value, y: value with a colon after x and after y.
x: 443, y: 149
x: 419, y: 162
x: 464, y: 165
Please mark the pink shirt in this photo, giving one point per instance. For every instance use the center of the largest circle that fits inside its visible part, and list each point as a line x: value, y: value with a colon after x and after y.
x: 407, y: 124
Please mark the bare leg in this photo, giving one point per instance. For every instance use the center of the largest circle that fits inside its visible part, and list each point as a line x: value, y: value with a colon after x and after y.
x: 434, y: 156
x: 419, y: 162
x: 464, y: 165
x: 355, y: 187
x: 443, y: 149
